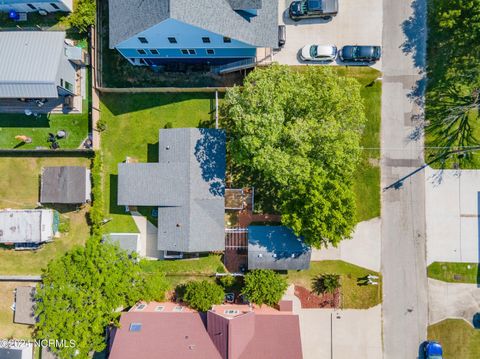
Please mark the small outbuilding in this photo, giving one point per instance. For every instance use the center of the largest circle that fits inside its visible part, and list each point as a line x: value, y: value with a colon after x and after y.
x: 277, y: 248
x: 65, y: 185
x: 129, y: 242
x: 24, y: 305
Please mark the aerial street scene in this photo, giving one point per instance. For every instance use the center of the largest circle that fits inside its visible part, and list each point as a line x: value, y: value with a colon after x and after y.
x: 239, y: 179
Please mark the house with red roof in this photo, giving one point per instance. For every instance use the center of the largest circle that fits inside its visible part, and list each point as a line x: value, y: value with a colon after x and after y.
x: 171, y: 331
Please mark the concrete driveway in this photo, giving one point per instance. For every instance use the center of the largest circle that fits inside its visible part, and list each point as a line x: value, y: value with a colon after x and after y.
x: 339, y: 334
x: 452, y: 213
x: 362, y: 250
x: 452, y: 300
x: 358, y: 22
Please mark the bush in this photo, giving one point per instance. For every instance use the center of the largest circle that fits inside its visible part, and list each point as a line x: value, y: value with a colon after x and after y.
x: 96, y: 212
x: 220, y: 269
x: 101, y: 125
x: 326, y: 283
x: 83, y: 16
x: 227, y: 281
x: 264, y: 286
x: 64, y: 225
x: 168, y: 125
x: 154, y: 287
x: 201, y: 295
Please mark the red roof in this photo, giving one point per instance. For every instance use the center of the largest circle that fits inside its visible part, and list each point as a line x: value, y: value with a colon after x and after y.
x: 163, y: 335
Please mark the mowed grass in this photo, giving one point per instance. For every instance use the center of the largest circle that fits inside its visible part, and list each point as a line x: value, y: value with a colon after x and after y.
x: 458, y: 339
x: 19, y: 188
x: 446, y: 271
x: 11, y: 125
x: 204, y: 266
x: 8, y: 329
x: 133, y: 122
x: 353, y: 295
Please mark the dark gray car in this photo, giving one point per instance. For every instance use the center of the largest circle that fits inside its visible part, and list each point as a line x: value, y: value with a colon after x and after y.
x: 356, y: 53
x: 309, y: 9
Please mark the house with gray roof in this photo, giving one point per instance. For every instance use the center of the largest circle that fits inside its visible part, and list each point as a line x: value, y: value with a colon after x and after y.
x: 36, y: 65
x: 277, y: 248
x: 65, y: 185
x: 156, y: 32
x: 36, y: 5
x: 187, y: 185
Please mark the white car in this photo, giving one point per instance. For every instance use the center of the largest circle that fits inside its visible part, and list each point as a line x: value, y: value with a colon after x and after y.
x: 324, y: 53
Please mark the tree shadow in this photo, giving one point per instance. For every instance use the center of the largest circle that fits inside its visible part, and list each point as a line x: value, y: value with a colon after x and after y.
x: 415, y: 28
x: 210, y: 152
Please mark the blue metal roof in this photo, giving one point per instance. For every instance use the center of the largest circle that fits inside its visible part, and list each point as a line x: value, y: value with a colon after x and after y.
x: 276, y: 247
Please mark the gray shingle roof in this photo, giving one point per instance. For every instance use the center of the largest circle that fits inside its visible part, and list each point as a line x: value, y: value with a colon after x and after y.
x: 188, y: 186
x: 129, y: 17
x: 277, y: 248
x: 67, y: 184
x: 25, y: 305
x: 29, y: 68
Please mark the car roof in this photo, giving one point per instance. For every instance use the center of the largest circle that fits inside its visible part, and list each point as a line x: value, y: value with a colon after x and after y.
x: 325, y: 49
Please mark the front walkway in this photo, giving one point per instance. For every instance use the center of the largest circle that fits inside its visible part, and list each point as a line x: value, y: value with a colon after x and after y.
x: 452, y: 300
x: 339, y: 334
x: 362, y: 250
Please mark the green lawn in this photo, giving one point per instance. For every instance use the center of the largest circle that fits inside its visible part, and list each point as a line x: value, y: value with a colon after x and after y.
x: 367, y: 177
x: 19, y: 188
x: 353, y: 295
x: 458, y: 339
x: 12, y: 125
x: 468, y: 272
x: 133, y: 122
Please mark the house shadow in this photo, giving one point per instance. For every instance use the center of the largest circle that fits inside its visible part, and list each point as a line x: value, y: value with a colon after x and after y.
x: 210, y: 154
x: 24, y: 121
x: 119, y: 104
x: 152, y: 152
x: 113, y: 204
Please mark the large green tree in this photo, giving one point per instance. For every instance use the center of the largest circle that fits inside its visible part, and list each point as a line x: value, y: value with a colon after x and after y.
x: 83, y: 15
x: 295, y: 136
x: 452, y: 106
x: 264, y: 286
x: 201, y: 295
x: 81, y: 294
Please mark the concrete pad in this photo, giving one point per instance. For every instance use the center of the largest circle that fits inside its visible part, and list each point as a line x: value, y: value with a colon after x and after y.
x: 452, y: 215
x: 148, y: 237
x: 351, y: 333
x: 452, y: 300
x: 358, y: 22
x: 363, y: 249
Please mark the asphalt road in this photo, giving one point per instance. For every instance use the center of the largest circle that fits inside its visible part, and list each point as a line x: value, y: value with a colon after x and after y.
x: 405, y: 308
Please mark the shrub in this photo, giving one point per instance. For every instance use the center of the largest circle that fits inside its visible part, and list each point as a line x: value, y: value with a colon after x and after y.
x: 326, y: 283
x: 201, y: 295
x: 83, y: 16
x: 168, y: 125
x: 101, y: 125
x: 227, y: 281
x: 96, y: 212
x: 154, y: 287
x: 264, y: 286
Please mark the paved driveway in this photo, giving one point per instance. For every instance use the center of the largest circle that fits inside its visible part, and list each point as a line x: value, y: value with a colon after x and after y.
x: 339, y: 334
x: 358, y: 22
x: 452, y: 210
x: 452, y: 300
x: 362, y: 250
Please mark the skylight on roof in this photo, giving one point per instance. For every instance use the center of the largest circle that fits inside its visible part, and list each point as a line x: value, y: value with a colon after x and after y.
x: 159, y: 308
x: 178, y: 309
x: 140, y: 307
x: 135, y: 327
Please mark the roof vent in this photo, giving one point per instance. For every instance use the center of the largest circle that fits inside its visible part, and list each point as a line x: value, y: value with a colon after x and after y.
x: 167, y: 147
x: 191, y: 347
x: 178, y: 224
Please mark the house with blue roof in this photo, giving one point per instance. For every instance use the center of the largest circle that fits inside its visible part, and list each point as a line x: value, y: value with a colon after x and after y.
x: 36, y: 5
x: 216, y: 32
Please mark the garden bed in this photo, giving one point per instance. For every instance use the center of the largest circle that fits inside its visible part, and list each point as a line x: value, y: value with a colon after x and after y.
x: 309, y: 299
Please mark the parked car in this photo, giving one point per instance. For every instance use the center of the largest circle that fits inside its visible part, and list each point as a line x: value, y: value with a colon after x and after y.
x: 355, y: 53
x: 310, y: 9
x: 433, y: 350
x: 324, y: 53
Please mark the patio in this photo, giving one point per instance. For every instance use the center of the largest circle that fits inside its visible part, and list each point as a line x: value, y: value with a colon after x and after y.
x: 63, y: 104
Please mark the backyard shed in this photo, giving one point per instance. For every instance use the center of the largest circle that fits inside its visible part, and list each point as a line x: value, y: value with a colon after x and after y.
x: 277, y: 248
x: 25, y: 305
x: 65, y: 185
x: 27, y: 228
x: 129, y: 242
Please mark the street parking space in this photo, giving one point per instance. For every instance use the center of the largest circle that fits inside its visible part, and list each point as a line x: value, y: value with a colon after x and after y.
x: 452, y: 214
x: 358, y: 22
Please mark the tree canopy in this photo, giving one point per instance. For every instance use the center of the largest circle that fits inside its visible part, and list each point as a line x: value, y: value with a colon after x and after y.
x: 452, y: 106
x: 82, y: 292
x: 295, y: 136
x: 326, y: 283
x: 201, y: 295
x: 83, y: 15
x: 264, y: 286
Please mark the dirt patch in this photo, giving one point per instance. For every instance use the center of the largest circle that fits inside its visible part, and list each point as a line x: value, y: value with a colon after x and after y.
x: 312, y: 300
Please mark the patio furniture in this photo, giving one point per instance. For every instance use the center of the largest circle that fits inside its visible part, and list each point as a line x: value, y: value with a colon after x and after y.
x: 61, y: 134
x: 51, y: 137
x: 55, y: 145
